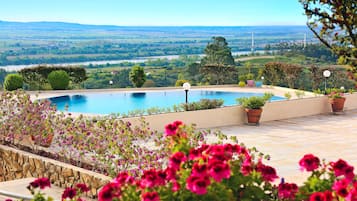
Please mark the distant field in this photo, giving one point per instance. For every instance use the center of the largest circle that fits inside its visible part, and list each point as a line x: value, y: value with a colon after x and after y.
x: 45, y: 42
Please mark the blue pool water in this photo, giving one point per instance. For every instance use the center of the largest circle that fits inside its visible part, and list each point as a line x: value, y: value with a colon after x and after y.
x: 122, y: 102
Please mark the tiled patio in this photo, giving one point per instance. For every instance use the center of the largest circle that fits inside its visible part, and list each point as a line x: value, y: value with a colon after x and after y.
x: 327, y: 136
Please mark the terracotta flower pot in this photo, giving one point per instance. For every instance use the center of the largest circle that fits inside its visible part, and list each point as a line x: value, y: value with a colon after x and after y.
x: 337, y: 104
x: 253, y: 115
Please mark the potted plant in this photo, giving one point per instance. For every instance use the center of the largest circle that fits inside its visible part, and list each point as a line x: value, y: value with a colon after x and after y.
x: 250, y: 80
x: 337, y: 100
x: 253, y: 106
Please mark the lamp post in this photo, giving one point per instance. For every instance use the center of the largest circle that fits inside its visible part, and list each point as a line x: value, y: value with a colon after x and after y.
x: 326, y: 74
x: 186, y: 86
x: 111, y: 83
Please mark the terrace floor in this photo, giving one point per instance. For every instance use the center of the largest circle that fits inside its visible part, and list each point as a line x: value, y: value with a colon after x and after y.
x: 329, y: 137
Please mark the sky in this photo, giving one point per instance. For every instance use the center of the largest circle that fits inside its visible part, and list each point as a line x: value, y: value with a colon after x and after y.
x: 156, y: 12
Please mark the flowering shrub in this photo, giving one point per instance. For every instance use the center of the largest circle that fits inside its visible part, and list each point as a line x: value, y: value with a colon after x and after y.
x: 207, y: 172
x: 198, y: 171
x: 228, y: 172
x: 107, y: 145
x: 23, y: 119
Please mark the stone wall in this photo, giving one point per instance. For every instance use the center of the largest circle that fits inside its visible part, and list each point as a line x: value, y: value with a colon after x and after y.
x: 17, y: 164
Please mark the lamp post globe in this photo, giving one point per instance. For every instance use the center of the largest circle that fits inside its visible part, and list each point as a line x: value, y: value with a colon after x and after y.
x: 186, y: 86
x: 326, y: 74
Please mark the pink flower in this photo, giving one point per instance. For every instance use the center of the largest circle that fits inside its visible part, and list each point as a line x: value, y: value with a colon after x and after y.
x: 219, y: 170
x: 175, y: 186
x: 171, y: 129
x: 176, y: 159
x: 170, y: 174
x: 69, y: 193
x: 123, y: 178
x: 194, y: 154
x: 317, y: 196
x: 341, y: 167
x: 109, y: 192
x: 149, y: 179
x: 340, y: 187
x: 41, y: 182
x: 268, y: 173
x: 287, y: 190
x: 150, y: 196
x: 218, y: 152
x: 349, y: 174
x: 198, y: 185
x: 309, y: 162
x: 161, y: 177
x: 199, y: 170
x: 246, y: 167
x: 82, y: 187
x: 352, y: 195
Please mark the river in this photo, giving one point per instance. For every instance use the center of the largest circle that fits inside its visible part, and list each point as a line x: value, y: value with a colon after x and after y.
x: 138, y: 60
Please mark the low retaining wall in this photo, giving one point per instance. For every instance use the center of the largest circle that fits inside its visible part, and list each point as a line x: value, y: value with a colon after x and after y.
x: 16, y: 164
x: 235, y: 115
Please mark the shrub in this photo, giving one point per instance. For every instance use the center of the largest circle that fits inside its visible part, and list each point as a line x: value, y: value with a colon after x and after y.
x: 287, y: 95
x: 58, y: 79
x: 203, y: 104
x: 250, y: 76
x: 13, y: 82
x: 242, y: 78
x: 179, y: 83
x: 254, y: 102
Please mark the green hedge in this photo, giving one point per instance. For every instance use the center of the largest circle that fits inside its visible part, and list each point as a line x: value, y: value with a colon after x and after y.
x: 58, y: 79
x: 13, y: 82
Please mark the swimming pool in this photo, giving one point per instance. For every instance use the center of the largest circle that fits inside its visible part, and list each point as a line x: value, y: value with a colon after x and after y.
x: 123, y: 102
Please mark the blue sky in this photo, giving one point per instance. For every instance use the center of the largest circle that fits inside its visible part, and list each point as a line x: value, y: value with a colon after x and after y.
x: 156, y: 12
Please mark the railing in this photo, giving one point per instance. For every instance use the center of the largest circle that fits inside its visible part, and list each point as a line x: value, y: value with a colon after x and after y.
x: 15, y: 195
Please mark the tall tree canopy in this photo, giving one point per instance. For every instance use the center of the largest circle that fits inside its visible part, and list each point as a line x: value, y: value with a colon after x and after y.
x: 218, y: 63
x: 218, y: 53
x: 334, y: 23
x: 137, y: 76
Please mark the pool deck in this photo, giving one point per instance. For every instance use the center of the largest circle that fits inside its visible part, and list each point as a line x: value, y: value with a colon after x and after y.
x: 278, y: 91
x: 327, y: 136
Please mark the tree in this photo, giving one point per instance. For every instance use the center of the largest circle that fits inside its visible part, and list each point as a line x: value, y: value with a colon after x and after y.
x: 218, y: 63
x: 218, y: 53
x: 137, y: 76
x: 59, y: 79
x: 334, y: 23
x: 13, y: 82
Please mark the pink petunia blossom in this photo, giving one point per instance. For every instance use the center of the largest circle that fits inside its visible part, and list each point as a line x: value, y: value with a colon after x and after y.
x: 69, y: 193
x: 150, y: 196
x: 340, y: 187
x: 176, y: 159
x: 41, y: 182
x: 109, y: 192
x: 198, y: 185
x: 171, y: 129
x: 219, y: 170
x: 309, y: 162
x: 268, y: 173
x: 287, y: 190
x: 149, y: 179
x: 199, y: 170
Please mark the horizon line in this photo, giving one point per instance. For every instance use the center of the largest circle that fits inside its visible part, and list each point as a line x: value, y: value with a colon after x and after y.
x: 77, y: 23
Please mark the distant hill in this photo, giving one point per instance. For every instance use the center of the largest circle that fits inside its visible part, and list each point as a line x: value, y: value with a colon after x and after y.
x: 24, y: 43
x: 62, y: 28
